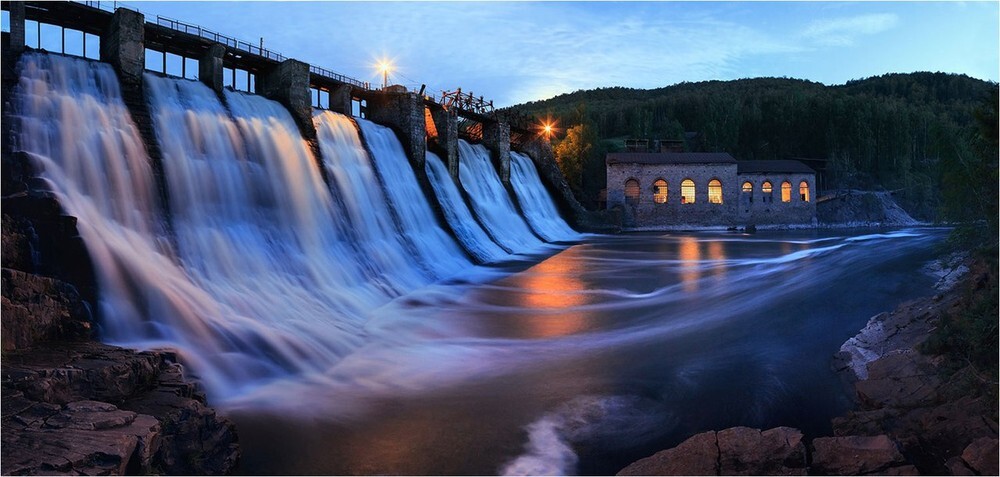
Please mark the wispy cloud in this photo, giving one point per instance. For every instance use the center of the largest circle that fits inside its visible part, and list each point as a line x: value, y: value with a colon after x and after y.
x: 845, y: 31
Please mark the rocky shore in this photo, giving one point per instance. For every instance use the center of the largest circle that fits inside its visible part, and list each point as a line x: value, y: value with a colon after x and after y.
x: 71, y: 405
x: 912, y: 417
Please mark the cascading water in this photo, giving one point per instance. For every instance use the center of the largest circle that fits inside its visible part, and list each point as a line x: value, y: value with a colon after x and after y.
x: 434, y: 246
x: 351, y: 173
x: 457, y: 213
x: 536, y: 202
x: 490, y: 200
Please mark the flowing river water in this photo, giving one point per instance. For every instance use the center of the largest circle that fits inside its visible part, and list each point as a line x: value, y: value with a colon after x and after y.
x: 593, y: 357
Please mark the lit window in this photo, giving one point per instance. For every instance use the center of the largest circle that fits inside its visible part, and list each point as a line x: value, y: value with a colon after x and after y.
x: 631, y: 191
x: 748, y: 191
x: 687, y: 191
x: 786, y: 191
x: 714, y: 192
x: 660, y: 191
x: 765, y: 189
x: 804, y: 191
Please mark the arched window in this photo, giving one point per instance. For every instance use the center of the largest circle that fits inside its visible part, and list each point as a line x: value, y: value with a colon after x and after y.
x: 687, y: 191
x: 748, y: 191
x: 804, y: 191
x: 660, y: 191
x: 786, y: 191
x: 714, y: 192
x: 765, y: 190
x: 631, y: 191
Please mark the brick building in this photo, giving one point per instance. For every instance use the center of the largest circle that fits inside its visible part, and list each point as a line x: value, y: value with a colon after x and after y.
x: 671, y: 189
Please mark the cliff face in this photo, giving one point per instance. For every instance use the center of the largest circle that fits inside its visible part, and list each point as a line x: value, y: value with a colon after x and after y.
x: 912, y: 418
x: 70, y: 404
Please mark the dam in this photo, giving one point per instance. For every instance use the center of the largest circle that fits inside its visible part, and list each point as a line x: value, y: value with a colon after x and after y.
x: 390, y: 284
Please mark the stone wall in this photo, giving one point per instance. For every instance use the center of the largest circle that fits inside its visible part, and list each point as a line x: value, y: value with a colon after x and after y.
x: 758, y: 208
x: 647, y: 213
x: 737, y: 209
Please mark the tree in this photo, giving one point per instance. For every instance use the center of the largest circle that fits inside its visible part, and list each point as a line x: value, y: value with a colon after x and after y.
x: 572, y: 152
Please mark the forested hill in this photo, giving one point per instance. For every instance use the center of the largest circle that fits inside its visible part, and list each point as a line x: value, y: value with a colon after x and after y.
x: 891, y: 131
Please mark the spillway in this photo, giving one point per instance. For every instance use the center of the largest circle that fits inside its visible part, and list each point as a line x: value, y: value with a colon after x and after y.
x: 475, y: 240
x: 491, y: 202
x: 437, y: 249
x: 536, y: 202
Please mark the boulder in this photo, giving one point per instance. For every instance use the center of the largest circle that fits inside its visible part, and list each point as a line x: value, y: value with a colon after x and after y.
x: 855, y: 455
x: 699, y: 455
x: 982, y: 456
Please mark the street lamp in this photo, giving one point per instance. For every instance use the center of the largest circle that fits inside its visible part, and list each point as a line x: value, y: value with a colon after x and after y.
x: 384, y: 66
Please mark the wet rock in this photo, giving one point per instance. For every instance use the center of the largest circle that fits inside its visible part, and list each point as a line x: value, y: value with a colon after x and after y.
x: 18, y: 249
x: 198, y: 440
x: 855, y: 455
x: 37, y: 308
x: 982, y: 456
x: 699, y: 455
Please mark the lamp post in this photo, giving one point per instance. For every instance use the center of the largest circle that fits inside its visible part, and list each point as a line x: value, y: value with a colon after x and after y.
x: 384, y: 66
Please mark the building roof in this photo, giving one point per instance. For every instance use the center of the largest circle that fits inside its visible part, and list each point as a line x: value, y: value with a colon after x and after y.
x: 776, y: 166
x: 670, y: 158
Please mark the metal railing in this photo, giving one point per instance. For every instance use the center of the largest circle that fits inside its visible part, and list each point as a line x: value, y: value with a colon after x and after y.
x: 228, y: 41
x: 316, y: 70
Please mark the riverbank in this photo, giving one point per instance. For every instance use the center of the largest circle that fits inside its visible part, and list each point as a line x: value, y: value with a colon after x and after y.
x: 915, y: 415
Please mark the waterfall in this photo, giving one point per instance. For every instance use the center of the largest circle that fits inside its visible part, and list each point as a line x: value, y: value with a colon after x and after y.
x: 434, y: 246
x: 457, y: 213
x: 536, y: 202
x: 490, y: 200
x: 350, y: 171
x: 267, y: 272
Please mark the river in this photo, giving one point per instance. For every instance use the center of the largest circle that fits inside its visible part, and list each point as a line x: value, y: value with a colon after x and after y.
x: 586, y: 359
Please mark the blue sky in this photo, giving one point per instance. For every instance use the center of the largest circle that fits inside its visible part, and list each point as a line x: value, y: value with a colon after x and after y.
x: 520, y: 51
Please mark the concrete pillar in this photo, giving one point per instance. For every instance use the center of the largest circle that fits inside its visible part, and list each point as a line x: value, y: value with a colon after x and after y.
x: 404, y: 113
x: 122, y: 45
x: 288, y: 84
x: 496, y: 138
x: 16, y: 27
x: 210, y: 67
x: 446, y: 123
x: 340, y: 100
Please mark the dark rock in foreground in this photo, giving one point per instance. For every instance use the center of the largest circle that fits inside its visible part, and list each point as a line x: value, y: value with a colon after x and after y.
x: 75, y: 406
x: 90, y: 408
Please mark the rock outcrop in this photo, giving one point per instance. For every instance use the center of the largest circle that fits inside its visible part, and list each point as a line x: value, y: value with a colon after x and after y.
x: 733, y: 451
x: 857, y: 208
x: 90, y: 408
x: 909, y: 420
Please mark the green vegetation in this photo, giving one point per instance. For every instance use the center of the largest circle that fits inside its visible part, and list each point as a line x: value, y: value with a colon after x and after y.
x: 893, y: 132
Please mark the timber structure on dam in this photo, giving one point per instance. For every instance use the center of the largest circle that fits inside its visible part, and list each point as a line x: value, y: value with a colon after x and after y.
x: 126, y: 37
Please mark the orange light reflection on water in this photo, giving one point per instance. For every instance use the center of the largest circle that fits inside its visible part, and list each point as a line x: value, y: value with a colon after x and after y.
x: 689, y: 253
x: 554, y: 285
